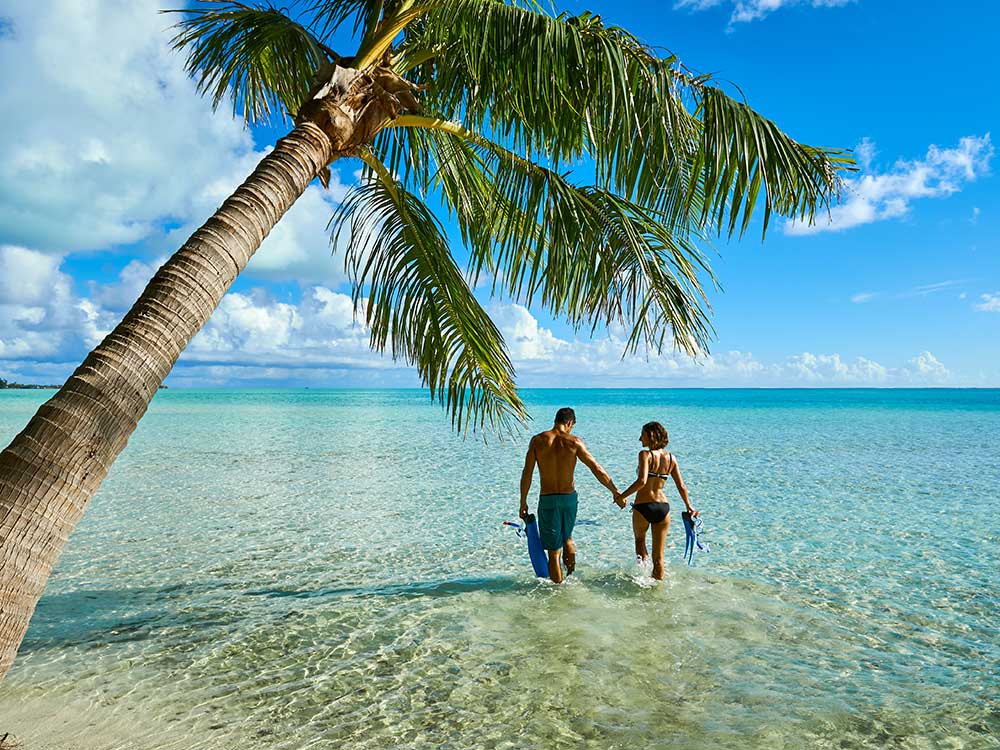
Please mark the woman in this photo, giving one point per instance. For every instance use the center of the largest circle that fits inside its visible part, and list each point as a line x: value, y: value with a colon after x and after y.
x: 651, y: 507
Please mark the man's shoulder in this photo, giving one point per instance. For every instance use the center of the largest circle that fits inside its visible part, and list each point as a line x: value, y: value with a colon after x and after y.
x: 541, y: 439
x: 554, y: 437
x: 572, y: 441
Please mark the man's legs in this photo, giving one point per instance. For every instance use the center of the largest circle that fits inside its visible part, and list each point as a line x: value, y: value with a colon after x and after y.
x: 555, y: 571
x: 570, y: 556
x: 556, y: 518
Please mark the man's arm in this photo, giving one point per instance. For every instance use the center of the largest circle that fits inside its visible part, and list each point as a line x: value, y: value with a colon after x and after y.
x: 526, y: 474
x: 595, y: 468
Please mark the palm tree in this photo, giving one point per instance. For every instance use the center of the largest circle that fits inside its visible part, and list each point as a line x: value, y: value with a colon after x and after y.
x: 477, y: 105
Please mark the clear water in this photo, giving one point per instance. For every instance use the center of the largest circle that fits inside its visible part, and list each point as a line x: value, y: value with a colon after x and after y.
x: 328, y: 569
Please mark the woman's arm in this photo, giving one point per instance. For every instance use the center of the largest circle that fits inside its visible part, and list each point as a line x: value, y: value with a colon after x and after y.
x: 682, y: 489
x: 642, y: 478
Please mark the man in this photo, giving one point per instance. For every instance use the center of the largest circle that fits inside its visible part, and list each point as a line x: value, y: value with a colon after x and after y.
x: 555, y: 452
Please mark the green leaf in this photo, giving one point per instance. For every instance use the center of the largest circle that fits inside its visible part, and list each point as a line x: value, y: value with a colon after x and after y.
x: 256, y: 55
x: 585, y: 253
x: 420, y: 308
x: 558, y: 89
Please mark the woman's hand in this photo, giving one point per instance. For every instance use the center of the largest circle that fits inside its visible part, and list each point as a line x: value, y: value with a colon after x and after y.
x: 620, y: 500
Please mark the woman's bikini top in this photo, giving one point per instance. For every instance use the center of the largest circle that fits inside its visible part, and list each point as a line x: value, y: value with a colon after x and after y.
x: 669, y: 467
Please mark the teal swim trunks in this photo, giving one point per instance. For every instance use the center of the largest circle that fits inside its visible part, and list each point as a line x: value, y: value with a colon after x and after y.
x: 556, y: 518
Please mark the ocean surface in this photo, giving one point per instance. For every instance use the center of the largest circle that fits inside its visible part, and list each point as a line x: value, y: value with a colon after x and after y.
x: 298, y: 569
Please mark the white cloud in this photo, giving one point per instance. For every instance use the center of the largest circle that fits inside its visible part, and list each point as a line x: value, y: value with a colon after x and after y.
x: 975, y: 215
x: 525, y: 339
x: 543, y: 359
x: 924, y: 289
x: 132, y: 279
x: 298, y: 248
x: 865, y: 152
x: 318, y: 331
x: 925, y: 366
x: 830, y: 369
x: 254, y: 338
x: 990, y: 303
x: 878, y: 196
x: 752, y: 10
x: 118, y: 139
x: 121, y: 145
x: 38, y: 310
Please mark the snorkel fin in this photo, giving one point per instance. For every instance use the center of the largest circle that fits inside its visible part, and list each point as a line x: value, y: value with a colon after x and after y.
x: 529, y: 530
x: 692, y: 533
x: 688, y: 536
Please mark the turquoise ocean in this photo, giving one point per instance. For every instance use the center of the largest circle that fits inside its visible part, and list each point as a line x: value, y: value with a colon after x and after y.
x: 298, y: 569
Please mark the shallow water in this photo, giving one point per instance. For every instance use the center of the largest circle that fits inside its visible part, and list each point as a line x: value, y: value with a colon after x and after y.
x: 308, y: 568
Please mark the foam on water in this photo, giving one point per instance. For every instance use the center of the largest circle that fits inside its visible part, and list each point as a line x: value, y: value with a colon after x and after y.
x: 329, y: 569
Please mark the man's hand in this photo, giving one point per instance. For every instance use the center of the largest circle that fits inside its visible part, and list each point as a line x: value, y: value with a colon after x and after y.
x: 523, y: 513
x: 619, y: 500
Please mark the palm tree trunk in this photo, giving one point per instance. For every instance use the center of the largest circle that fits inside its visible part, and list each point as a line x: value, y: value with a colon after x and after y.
x: 51, y: 469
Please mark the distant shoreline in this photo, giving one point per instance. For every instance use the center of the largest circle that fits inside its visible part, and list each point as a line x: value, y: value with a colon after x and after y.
x: 5, y: 386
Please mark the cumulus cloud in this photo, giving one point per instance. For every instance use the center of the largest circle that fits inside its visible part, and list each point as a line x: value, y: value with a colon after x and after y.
x: 298, y: 248
x: 254, y: 338
x: 925, y: 366
x: 990, y: 303
x: 119, y: 296
x: 543, y: 359
x: 744, y: 11
x: 319, y: 330
x: 875, y: 196
x: 96, y: 160
x: 38, y: 311
x: 120, y: 146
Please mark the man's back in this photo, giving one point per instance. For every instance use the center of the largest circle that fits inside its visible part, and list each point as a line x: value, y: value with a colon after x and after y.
x: 555, y: 454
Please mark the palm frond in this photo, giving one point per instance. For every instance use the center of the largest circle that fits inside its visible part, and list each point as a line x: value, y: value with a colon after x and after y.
x: 742, y: 153
x: 330, y: 15
x: 560, y: 88
x: 583, y: 252
x: 420, y: 308
x: 257, y: 55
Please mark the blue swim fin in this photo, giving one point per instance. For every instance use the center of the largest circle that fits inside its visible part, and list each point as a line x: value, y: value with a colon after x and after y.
x: 689, y: 537
x: 692, y: 531
x: 537, y: 554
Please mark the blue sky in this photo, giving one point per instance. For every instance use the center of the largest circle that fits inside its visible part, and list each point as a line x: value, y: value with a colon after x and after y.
x: 108, y: 160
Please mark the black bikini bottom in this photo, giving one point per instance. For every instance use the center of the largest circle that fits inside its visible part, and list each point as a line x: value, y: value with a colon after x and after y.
x: 653, y: 512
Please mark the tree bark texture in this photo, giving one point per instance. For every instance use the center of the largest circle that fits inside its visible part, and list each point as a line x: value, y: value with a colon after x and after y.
x: 52, y: 468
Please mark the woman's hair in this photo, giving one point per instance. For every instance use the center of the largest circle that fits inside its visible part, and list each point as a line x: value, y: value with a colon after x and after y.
x: 657, y: 435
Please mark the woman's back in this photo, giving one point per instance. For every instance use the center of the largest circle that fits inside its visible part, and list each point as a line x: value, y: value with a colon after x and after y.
x: 659, y: 467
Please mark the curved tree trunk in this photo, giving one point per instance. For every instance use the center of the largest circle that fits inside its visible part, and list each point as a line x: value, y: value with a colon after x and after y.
x: 51, y: 470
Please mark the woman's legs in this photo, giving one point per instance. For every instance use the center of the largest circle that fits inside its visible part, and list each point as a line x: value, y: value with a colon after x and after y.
x: 659, y: 544
x: 639, y: 528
